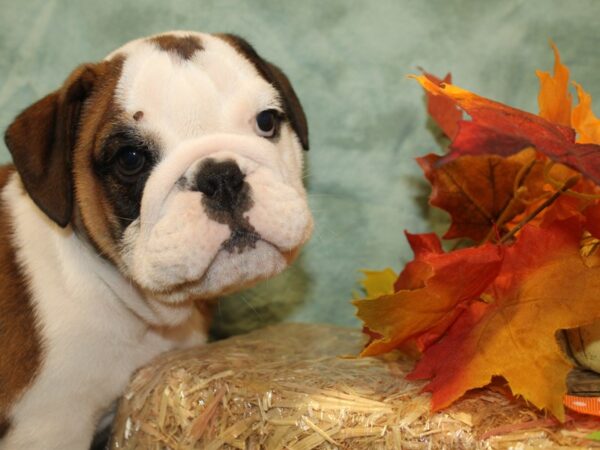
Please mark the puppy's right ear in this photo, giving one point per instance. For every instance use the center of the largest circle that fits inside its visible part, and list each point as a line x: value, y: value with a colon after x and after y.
x: 41, y: 140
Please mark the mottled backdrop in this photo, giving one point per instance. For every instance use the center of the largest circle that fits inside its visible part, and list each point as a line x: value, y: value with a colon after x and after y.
x: 348, y: 61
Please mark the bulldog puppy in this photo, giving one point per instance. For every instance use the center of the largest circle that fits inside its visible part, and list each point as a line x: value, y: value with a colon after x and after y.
x: 164, y: 175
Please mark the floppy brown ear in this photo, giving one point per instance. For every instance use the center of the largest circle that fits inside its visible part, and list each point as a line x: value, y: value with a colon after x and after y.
x: 41, y: 141
x: 279, y: 80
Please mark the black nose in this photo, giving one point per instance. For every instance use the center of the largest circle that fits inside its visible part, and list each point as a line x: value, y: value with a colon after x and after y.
x: 221, y: 182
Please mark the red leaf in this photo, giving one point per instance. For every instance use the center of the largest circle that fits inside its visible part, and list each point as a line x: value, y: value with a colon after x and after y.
x: 543, y: 286
x: 430, y: 288
x: 592, y: 217
x: 416, y: 272
x: 502, y: 130
x: 443, y: 110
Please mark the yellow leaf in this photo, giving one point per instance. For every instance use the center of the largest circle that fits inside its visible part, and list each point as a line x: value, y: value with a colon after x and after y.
x: 378, y: 283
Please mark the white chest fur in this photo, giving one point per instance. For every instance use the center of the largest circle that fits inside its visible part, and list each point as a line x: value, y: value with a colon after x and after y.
x: 94, y: 331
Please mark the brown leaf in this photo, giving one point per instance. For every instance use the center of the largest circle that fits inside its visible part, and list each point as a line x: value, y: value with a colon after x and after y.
x: 483, y: 192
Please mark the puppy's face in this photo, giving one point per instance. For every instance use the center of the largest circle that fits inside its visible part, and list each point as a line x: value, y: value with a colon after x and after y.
x: 183, y: 156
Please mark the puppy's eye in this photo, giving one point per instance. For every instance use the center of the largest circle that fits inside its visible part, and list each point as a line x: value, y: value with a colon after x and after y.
x: 130, y: 161
x: 267, y: 123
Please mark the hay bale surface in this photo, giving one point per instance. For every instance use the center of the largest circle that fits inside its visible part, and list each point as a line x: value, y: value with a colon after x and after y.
x: 286, y: 387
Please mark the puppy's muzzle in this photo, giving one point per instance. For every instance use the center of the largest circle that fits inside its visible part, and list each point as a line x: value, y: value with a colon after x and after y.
x: 226, y: 198
x: 224, y: 187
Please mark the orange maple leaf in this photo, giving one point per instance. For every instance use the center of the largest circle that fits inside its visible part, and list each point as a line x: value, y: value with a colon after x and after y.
x: 555, y: 102
x: 425, y: 302
x: 543, y: 286
x: 483, y: 193
x: 583, y: 119
x: 554, y: 98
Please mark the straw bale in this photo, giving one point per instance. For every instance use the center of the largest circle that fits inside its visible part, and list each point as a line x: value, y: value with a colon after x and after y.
x: 298, y: 386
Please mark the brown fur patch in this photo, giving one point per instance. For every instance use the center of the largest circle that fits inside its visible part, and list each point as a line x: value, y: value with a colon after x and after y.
x: 4, y: 427
x: 138, y: 115
x: 184, y: 46
x: 94, y: 215
x: 20, y: 343
x: 273, y: 75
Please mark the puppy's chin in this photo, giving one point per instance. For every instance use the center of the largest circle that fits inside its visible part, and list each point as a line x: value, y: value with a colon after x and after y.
x: 231, y: 270
x: 228, y: 272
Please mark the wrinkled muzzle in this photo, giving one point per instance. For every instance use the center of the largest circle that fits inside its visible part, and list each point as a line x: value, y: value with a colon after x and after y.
x: 217, y: 214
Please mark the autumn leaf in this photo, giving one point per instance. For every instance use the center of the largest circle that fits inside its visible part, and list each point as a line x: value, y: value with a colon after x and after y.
x: 427, y: 310
x: 592, y: 220
x: 583, y: 119
x: 492, y: 311
x: 554, y: 98
x: 416, y: 272
x: 555, y: 103
x: 483, y: 192
x: 499, y: 129
x: 542, y: 287
x: 443, y: 110
x: 581, y: 195
x: 378, y: 282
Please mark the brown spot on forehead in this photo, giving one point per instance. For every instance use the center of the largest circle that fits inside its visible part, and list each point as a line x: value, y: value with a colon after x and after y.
x: 138, y: 116
x: 184, y: 46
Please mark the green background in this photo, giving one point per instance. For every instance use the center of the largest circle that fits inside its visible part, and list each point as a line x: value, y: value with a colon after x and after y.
x: 348, y: 61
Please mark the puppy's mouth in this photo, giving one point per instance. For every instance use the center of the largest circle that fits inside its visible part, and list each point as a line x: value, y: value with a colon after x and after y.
x: 242, y: 238
x: 244, y: 247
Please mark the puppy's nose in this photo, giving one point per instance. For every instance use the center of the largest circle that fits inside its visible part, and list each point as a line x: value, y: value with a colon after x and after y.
x: 221, y: 182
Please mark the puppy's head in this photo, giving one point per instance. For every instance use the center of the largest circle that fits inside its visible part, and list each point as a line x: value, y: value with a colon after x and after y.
x: 178, y: 157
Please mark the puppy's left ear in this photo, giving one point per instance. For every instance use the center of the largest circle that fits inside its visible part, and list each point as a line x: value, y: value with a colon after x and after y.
x: 41, y: 140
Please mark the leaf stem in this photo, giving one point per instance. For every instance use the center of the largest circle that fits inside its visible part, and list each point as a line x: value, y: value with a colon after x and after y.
x: 567, y: 185
x: 555, y: 183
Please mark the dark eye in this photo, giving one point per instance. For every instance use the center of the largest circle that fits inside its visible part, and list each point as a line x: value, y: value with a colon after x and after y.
x: 267, y: 123
x: 130, y: 161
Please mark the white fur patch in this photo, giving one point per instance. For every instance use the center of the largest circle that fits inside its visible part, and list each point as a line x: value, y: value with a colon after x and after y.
x: 92, y: 333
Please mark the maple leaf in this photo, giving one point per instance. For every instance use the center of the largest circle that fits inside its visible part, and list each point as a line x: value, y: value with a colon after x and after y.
x: 492, y: 311
x: 542, y: 287
x: 583, y: 119
x: 429, y: 308
x: 554, y: 98
x: 555, y: 103
x: 443, y: 110
x: 417, y: 271
x: 592, y: 220
x: 499, y: 129
x: 572, y: 202
x: 483, y: 192
x: 378, y: 282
